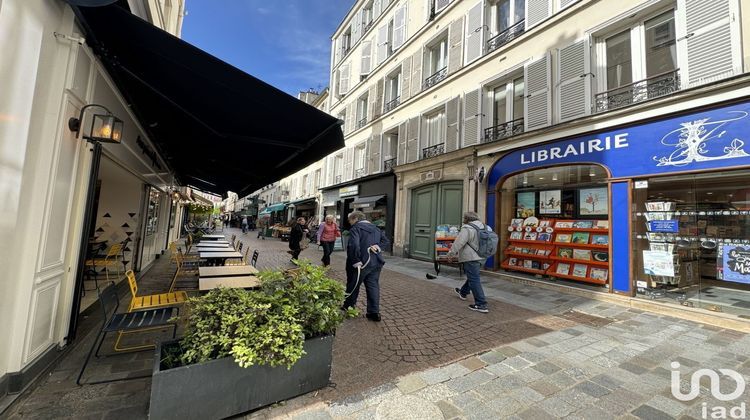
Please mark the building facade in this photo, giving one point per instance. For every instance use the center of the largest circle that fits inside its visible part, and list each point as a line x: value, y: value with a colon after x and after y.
x: 45, y: 173
x: 622, y: 120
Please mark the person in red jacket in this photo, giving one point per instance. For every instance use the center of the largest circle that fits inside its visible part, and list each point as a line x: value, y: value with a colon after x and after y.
x: 327, y: 234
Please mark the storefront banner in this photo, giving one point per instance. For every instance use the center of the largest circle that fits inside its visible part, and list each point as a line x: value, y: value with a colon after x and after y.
x: 666, y: 226
x: 658, y: 263
x: 736, y: 263
x: 702, y: 140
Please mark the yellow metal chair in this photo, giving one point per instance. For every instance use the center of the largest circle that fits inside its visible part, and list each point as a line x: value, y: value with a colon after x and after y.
x: 111, y: 257
x: 238, y: 261
x: 151, y: 301
x: 183, y: 269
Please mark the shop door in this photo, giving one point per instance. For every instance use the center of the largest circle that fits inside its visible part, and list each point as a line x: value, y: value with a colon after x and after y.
x: 423, y: 220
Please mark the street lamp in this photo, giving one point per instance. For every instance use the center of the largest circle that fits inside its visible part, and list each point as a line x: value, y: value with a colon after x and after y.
x: 105, y: 128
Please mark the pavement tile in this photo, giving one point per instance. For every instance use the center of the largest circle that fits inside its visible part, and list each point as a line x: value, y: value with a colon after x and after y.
x: 473, y: 363
x: 492, y: 357
x: 470, y: 381
x: 407, y: 407
x: 547, y: 368
x: 411, y: 383
x: 319, y: 414
x: 556, y: 406
x: 517, y: 362
x: 506, y: 406
x: 435, y: 392
x: 647, y: 412
x: 500, y: 369
x: 592, y: 389
x: 449, y: 410
x: 533, y: 413
x: 671, y: 406
x: 544, y: 388
x: 527, y: 395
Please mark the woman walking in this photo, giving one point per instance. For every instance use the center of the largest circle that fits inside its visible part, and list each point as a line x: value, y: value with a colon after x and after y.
x: 327, y: 234
x: 299, y: 230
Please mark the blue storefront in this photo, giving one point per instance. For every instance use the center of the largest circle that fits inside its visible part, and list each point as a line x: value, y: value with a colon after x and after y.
x: 664, y: 185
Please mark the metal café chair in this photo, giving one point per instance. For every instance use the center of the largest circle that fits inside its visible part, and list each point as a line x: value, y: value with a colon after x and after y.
x: 255, y: 258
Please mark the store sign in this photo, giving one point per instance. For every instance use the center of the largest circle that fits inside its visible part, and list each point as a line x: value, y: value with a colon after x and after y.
x: 640, y: 185
x: 736, y: 263
x: 668, y: 226
x: 704, y: 140
x: 349, y: 191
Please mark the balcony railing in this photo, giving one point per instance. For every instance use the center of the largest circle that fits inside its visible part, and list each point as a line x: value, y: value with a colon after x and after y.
x: 643, y: 90
x: 506, y: 36
x: 503, y: 131
x: 392, y: 104
x: 361, y: 123
x: 359, y: 173
x: 367, y: 26
x: 432, y: 151
x: 389, y: 164
x: 337, y: 179
x: 435, y: 78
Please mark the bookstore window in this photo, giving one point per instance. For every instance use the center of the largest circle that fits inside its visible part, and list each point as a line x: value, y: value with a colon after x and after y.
x: 554, y: 223
x: 691, y: 240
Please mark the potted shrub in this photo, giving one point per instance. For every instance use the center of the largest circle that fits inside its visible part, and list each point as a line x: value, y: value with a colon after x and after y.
x: 247, y: 349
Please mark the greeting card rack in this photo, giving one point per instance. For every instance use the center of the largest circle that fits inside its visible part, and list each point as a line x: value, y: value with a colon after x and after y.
x: 581, y: 251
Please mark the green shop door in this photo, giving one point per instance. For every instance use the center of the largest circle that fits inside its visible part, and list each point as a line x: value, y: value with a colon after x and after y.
x: 433, y: 205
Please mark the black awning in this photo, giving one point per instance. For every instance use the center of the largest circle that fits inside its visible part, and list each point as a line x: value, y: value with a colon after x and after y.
x: 368, y: 201
x: 303, y: 201
x: 218, y: 127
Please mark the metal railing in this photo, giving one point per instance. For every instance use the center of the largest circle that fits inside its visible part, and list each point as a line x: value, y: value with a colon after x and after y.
x: 643, y: 90
x: 435, y: 78
x: 359, y: 173
x: 389, y: 164
x: 337, y: 179
x: 361, y: 123
x: 432, y: 151
x: 503, y: 131
x: 392, y: 104
x: 367, y: 26
x: 506, y: 36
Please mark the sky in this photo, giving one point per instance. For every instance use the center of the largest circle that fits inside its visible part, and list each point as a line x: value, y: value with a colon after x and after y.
x: 285, y: 43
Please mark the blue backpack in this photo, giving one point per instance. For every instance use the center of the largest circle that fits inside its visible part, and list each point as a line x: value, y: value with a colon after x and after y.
x: 487, y: 241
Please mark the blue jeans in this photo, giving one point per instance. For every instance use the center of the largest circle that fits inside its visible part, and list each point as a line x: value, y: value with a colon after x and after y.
x: 370, y: 277
x: 473, y: 282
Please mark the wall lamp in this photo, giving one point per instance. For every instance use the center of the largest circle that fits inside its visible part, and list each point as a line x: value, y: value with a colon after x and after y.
x: 105, y: 128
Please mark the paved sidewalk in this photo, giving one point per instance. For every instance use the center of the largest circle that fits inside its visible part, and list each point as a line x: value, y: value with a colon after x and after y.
x: 537, y: 354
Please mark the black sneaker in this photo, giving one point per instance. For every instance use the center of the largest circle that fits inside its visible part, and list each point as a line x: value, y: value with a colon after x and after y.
x: 373, y: 317
x: 460, y: 295
x: 482, y: 309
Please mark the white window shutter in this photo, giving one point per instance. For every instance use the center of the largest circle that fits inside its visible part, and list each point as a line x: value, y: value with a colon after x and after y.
x: 412, y: 140
x: 366, y: 57
x: 537, y: 11
x: 455, y: 41
x: 377, y: 99
x: 356, y: 27
x: 475, y: 32
x: 538, y: 95
x: 405, y: 79
x: 343, y: 79
x: 416, y: 73
x: 382, y: 43
x: 452, y: 115
x: 708, y: 40
x: 374, y: 147
x: 472, y: 117
x: 573, y: 90
x: 377, y: 8
x: 336, y: 50
x: 441, y: 4
x: 565, y: 3
x: 422, y: 141
x: 401, y: 157
x: 399, y: 27
x: 329, y: 170
x: 371, y: 98
x: 348, y: 164
x: 351, y: 117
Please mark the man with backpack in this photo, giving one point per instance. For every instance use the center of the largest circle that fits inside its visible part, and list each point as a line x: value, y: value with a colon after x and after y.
x: 475, y: 243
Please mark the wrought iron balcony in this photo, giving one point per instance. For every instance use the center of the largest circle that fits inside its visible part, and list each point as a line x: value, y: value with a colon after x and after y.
x: 389, y: 164
x: 506, y: 36
x: 435, y: 78
x: 361, y: 123
x: 503, y: 131
x: 359, y: 173
x: 643, y: 90
x: 367, y: 26
x: 337, y: 179
x: 432, y: 151
x: 392, y: 104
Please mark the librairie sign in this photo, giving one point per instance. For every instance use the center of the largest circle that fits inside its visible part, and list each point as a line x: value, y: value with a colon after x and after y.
x: 703, y: 140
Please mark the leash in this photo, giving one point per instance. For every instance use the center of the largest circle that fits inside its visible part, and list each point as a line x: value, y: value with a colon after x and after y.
x: 360, y: 268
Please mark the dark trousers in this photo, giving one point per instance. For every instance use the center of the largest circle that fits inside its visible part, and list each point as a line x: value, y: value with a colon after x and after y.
x: 370, y: 277
x: 295, y: 251
x: 327, y: 250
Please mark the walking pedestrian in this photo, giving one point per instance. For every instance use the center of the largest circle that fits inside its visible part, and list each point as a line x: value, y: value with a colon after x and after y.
x: 299, y: 230
x: 327, y: 234
x: 364, y: 263
x: 244, y: 224
x: 466, y: 247
x: 262, y: 229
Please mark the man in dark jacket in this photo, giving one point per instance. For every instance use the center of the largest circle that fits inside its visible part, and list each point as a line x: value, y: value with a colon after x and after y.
x: 364, y: 262
x: 299, y: 230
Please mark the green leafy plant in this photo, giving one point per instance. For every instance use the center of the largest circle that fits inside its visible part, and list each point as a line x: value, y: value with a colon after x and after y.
x: 265, y: 326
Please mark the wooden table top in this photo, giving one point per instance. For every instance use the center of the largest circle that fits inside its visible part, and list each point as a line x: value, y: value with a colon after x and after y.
x: 227, y: 271
x: 213, y: 237
x: 222, y: 254
x: 211, y: 245
x: 244, y: 282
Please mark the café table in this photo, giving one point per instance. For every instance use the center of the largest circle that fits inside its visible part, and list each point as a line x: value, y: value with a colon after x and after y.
x: 219, y: 258
x: 227, y: 271
x: 213, y: 243
x: 240, y: 282
x: 218, y: 248
x: 213, y: 237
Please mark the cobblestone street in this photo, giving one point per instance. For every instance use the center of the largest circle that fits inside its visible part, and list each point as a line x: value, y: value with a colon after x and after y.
x: 537, y: 354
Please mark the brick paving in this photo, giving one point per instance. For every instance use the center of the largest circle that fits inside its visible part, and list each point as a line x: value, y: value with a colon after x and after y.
x: 537, y: 354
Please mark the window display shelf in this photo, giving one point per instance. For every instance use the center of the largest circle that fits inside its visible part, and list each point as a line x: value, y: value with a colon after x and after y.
x: 523, y: 255
x: 522, y: 241
x: 574, y: 261
x: 507, y: 266
x: 586, y: 246
x: 584, y: 279
x: 595, y: 230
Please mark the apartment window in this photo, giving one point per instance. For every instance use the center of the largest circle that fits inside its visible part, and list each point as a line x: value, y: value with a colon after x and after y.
x: 506, y: 22
x: 362, y: 111
x: 305, y: 180
x: 640, y: 62
x: 338, y: 168
x: 316, y: 184
x: 434, y: 134
x: 436, y: 6
x: 389, y: 44
x: 342, y: 117
x: 436, y: 62
x: 507, y: 109
x: 360, y: 155
x: 392, y: 90
x: 367, y: 17
x: 346, y: 41
x: 390, y: 150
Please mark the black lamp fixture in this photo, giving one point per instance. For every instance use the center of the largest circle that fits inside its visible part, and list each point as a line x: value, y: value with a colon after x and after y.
x: 105, y: 128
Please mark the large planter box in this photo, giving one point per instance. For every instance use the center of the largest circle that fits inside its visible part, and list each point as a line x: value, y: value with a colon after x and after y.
x: 221, y: 388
